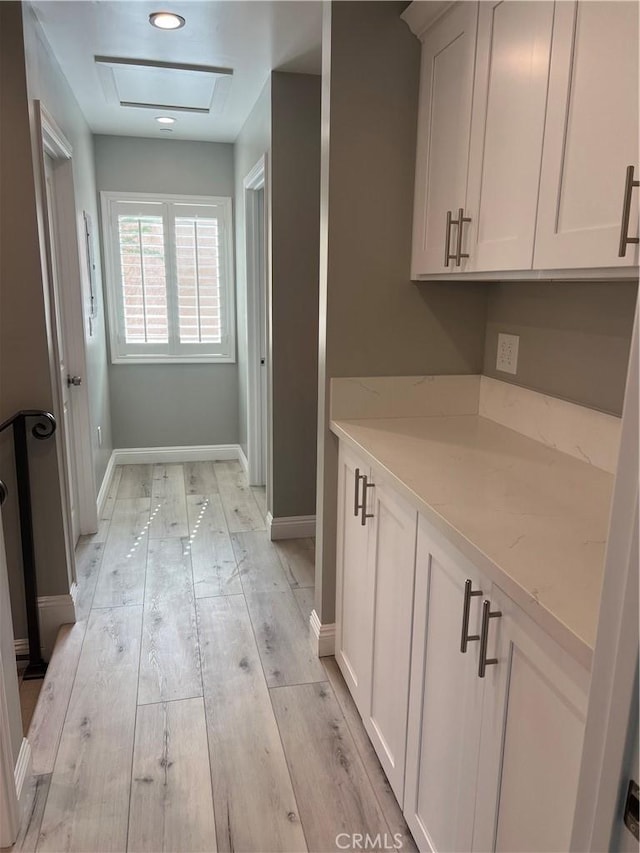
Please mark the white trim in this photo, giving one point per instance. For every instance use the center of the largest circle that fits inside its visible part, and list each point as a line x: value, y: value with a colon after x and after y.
x: 103, y: 494
x: 601, y: 786
x: 323, y: 637
x: 291, y: 527
x: 9, y: 813
x: 54, y: 611
x: 173, y: 352
x: 21, y: 647
x: 165, y: 455
x: 256, y: 273
x: 243, y: 460
x: 22, y: 773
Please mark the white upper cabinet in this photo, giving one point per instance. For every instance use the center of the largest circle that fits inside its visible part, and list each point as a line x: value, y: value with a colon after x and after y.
x: 591, y: 137
x: 510, y: 94
x: 444, y: 121
x: 527, y: 132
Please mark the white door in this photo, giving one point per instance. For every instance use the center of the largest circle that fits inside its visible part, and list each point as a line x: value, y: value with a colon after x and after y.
x: 264, y: 337
x: 509, y: 102
x: 446, y: 698
x: 591, y: 137
x: 533, y: 719
x: 66, y: 390
x: 444, y: 119
x: 353, y: 585
x: 391, y: 568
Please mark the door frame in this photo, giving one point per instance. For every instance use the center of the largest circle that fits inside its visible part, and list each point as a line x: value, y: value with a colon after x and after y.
x: 55, y: 144
x: 601, y: 785
x: 259, y: 381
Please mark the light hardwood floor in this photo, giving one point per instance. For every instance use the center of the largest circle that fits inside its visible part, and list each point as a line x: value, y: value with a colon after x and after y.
x: 186, y: 710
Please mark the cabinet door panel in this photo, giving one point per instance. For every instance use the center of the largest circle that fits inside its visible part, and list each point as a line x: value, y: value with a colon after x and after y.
x: 591, y: 136
x: 532, y: 732
x: 444, y: 118
x: 392, y: 550
x: 509, y: 102
x: 353, y: 584
x: 445, y: 703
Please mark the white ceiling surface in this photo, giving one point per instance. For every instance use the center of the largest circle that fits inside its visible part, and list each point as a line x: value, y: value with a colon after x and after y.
x: 252, y: 38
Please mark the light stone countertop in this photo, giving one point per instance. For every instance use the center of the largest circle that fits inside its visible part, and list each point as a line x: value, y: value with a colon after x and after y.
x: 532, y: 518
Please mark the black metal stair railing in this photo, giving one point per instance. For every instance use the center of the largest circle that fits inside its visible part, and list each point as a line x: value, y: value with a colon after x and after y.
x: 43, y: 429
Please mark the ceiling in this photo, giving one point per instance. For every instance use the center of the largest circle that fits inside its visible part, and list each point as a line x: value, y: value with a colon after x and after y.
x: 251, y: 38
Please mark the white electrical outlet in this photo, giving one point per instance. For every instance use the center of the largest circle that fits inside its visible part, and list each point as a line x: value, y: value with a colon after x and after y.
x: 99, y: 436
x: 507, y: 360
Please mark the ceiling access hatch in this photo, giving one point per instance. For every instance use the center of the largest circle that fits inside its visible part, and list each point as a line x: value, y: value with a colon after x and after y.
x: 149, y: 84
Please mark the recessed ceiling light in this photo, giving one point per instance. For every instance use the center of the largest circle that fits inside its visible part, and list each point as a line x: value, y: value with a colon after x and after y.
x: 165, y: 120
x: 166, y: 130
x: 166, y: 20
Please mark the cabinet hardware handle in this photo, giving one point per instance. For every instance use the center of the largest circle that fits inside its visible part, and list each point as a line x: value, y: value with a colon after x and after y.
x: 447, y: 240
x: 466, y: 637
x: 487, y: 614
x: 460, y: 221
x: 629, y: 184
x: 356, y: 497
x: 363, y: 506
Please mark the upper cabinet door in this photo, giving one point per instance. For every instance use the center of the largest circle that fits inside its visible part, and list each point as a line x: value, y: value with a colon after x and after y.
x: 509, y: 102
x: 591, y: 137
x: 444, y: 120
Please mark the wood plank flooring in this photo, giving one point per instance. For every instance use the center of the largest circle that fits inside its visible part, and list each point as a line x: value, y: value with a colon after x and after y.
x: 186, y: 710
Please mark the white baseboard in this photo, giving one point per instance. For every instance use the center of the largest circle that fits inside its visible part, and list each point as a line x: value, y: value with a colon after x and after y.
x: 22, y: 774
x: 291, y: 527
x: 159, y: 455
x: 53, y: 611
x: 106, y: 485
x: 323, y: 637
x: 243, y: 459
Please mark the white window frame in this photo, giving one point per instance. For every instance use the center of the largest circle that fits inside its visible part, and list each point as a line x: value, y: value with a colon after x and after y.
x: 171, y: 353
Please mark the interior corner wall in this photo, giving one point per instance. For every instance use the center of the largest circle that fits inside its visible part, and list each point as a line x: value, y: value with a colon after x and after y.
x: 47, y: 83
x: 25, y: 374
x: 254, y: 141
x: 575, y: 338
x: 373, y: 320
x: 295, y: 245
x: 164, y: 405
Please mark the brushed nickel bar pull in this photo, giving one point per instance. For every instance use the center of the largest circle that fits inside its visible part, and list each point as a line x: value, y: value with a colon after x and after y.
x: 447, y: 241
x: 356, y: 497
x: 466, y: 637
x: 461, y: 220
x: 629, y: 185
x: 487, y: 614
x: 363, y: 506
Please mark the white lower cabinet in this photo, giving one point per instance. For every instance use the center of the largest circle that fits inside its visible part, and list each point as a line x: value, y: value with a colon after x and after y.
x: 375, y: 572
x: 479, y: 760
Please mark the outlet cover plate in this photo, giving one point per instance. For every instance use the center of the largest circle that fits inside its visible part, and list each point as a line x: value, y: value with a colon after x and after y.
x: 507, y: 360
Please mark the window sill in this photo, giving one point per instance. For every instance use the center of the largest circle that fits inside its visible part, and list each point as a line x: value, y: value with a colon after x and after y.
x: 161, y: 359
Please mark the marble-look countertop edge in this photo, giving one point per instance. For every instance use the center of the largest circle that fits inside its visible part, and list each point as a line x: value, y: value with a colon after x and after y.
x: 575, y: 645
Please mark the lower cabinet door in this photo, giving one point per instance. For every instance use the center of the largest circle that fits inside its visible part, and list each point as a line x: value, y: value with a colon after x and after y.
x: 391, y: 557
x: 533, y: 718
x: 353, y: 584
x: 445, y: 704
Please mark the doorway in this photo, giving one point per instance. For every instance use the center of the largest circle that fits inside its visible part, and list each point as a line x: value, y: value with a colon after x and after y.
x: 257, y: 326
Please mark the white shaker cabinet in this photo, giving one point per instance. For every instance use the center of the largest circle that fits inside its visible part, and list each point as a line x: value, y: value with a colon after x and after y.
x: 445, y: 710
x: 509, y: 102
x: 493, y: 756
x: 444, y: 121
x: 375, y: 573
x: 591, y: 137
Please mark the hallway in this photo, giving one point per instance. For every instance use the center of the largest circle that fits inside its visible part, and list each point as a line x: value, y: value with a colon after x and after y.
x: 186, y: 710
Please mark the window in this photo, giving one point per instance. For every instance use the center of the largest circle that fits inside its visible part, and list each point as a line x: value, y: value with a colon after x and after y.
x: 169, y: 277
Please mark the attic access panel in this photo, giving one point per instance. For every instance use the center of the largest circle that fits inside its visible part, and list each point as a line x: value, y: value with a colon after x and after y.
x: 148, y: 84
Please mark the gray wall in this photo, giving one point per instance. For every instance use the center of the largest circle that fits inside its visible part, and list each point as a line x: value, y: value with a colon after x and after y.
x: 295, y: 194
x: 574, y: 338
x: 373, y: 320
x: 47, y: 83
x: 164, y: 404
x: 253, y: 141
x: 25, y: 378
